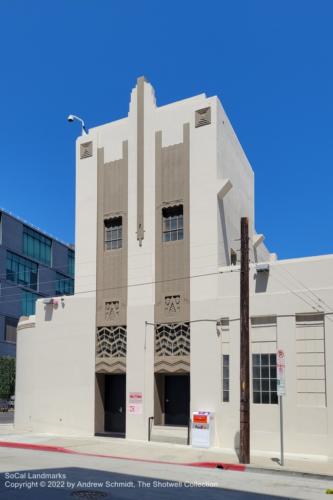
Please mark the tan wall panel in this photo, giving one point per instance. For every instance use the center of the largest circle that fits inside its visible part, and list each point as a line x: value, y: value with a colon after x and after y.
x: 172, y: 258
x: 172, y: 187
x: 112, y: 264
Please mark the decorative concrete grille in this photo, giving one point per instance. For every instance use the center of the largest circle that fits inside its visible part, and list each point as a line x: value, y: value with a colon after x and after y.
x: 111, y: 342
x: 86, y: 150
x: 202, y: 117
x: 172, y: 339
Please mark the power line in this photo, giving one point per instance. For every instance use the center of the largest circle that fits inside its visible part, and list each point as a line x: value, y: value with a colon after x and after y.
x: 319, y: 299
x: 315, y: 306
x: 177, y: 279
x: 46, y: 267
x: 157, y: 282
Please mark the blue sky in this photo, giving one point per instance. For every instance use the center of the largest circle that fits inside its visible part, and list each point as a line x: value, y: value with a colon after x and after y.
x: 270, y: 62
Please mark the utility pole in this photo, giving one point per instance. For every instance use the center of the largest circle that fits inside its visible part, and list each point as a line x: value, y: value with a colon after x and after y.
x: 244, y: 438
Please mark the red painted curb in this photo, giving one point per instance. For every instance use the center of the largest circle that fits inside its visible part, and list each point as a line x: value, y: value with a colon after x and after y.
x: 37, y: 447
x: 219, y: 465
x: 60, y: 449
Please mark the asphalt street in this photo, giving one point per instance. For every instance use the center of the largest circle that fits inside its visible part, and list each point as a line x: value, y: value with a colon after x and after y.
x: 39, y: 475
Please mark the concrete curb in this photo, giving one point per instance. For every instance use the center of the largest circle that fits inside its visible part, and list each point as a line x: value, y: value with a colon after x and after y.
x: 288, y: 472
x: 60, y: 449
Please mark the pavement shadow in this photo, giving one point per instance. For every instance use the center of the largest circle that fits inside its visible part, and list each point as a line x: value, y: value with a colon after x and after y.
x: 76, y: 482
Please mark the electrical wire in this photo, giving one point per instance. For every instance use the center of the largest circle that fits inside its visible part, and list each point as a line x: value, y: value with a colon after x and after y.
x: 313, y: 306
x: 157, y: 282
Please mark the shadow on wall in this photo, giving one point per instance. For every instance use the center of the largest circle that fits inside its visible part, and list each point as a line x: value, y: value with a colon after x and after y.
x: 48, y: 312
x: 261, y: 282
x: 223, y: 229
x: 236, y: 444
x: 53, y: 304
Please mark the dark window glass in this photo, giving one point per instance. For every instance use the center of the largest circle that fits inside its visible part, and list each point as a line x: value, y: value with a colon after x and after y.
x: 256, y: 397
x: 233, y: 257
x: 10, y: 329
x: 226, y: 378
x: 264, y: 359
x: 256, y: 359
x: 265, y: 397
x: 273, y: 385
x: 113, y: 233
x: 274, y: 398
x: 264, y: 378
x: 37, y: 246
x: 265, y: 384
x: 256, y: 384
x: 172, y: 223
x: 29, y: 303
x: 64, y: 285
x: 71, y: 263
x: 21, y: 271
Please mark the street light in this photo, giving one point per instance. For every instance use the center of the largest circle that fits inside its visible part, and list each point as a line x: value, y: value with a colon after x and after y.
x: 71, y: 118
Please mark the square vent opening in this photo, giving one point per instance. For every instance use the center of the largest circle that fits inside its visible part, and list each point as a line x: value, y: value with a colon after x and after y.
x: 202, y: 117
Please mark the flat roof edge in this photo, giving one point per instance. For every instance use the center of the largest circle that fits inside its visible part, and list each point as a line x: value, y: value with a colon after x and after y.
x: 44, y: 233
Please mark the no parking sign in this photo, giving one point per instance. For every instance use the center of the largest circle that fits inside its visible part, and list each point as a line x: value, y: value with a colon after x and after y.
x: 280, y: 375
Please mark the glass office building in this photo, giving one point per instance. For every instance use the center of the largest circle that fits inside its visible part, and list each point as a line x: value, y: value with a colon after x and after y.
x: 32, y: 265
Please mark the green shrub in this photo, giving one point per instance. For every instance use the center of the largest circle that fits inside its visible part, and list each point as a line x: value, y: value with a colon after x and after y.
x: 7, y: 377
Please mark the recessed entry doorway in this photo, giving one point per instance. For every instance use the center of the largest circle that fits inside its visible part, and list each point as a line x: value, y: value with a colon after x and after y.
x: 110, y: 415
x: 172, y: 399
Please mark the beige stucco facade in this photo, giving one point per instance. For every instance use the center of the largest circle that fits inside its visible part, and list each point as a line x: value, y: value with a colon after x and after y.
x: 151, y: 309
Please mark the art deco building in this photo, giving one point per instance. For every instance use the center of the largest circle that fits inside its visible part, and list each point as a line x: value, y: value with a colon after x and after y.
x: 153, y: 327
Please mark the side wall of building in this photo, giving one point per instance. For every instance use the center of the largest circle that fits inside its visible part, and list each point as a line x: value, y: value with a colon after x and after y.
x: 285, y: 301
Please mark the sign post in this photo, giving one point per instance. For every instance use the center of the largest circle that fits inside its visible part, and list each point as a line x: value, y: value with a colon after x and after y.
x: 281, y: 390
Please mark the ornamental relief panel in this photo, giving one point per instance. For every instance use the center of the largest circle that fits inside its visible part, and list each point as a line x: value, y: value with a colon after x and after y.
x: 112, y: 309
x: 172, y: 304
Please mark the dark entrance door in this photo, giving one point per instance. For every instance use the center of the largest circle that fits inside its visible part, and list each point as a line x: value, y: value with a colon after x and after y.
x: 115, y: 404
x: 177, y: 399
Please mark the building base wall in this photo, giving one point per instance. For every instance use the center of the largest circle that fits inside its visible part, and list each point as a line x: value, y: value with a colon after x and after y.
x: 55, y: 386
x: 55, y: 379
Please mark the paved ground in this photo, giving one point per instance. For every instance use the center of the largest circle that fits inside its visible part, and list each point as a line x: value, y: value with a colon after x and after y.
x: 164, y: 452
x: 126, y: 480
x: 7, y: 417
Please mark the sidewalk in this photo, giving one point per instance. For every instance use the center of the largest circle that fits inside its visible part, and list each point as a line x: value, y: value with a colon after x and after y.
x: 159, y: 452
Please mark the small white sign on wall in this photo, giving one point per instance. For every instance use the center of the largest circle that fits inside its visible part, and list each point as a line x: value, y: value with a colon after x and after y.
x: 135, y: 403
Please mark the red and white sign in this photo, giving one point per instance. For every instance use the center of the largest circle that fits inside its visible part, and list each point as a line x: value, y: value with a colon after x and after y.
x: 280, y: 369
x: 135, y: 403
x: 200, y: 419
